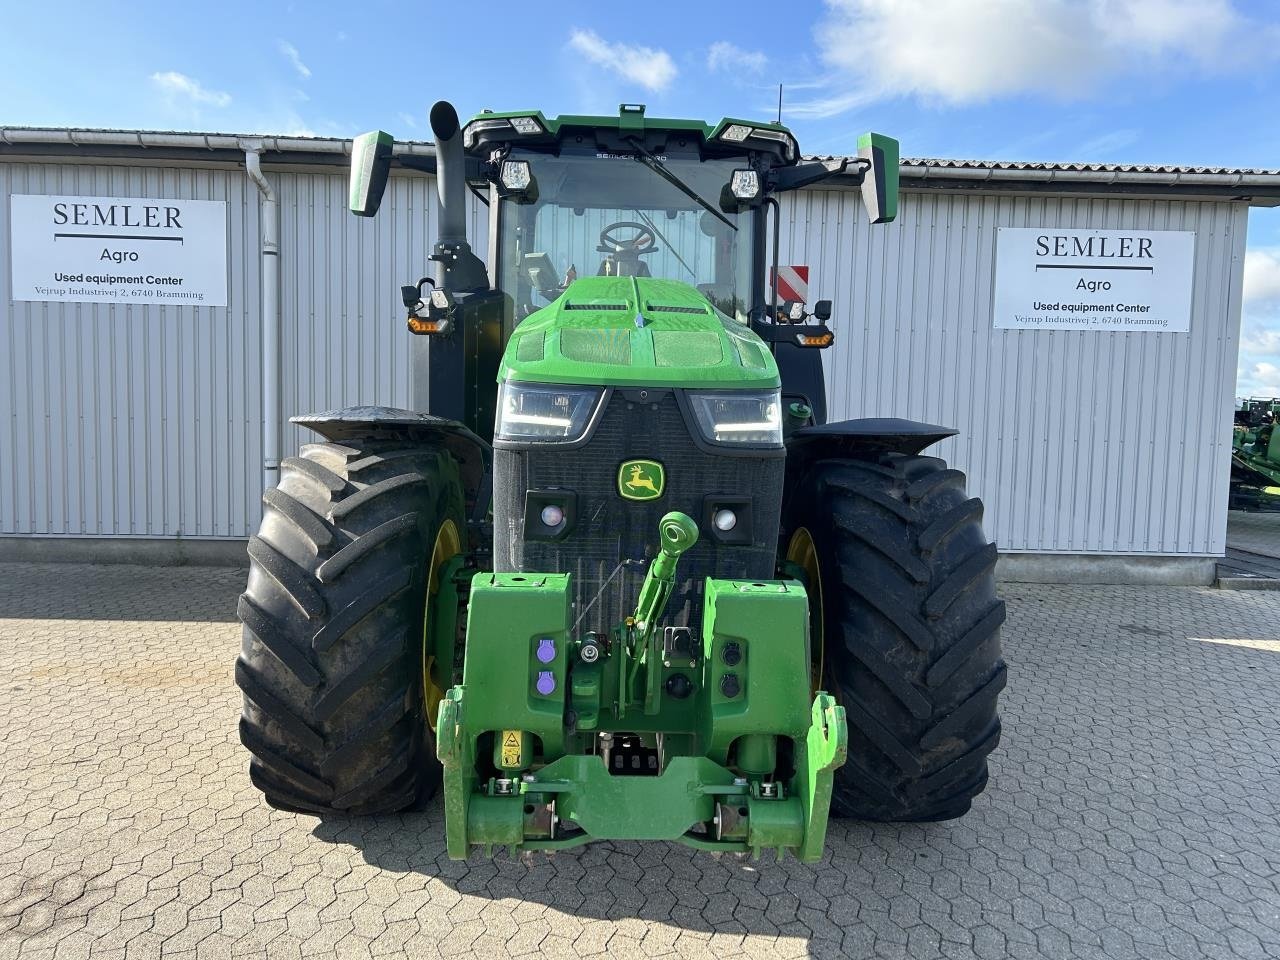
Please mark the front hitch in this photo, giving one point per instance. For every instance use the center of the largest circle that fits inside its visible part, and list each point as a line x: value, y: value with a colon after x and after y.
x: 677, y: 533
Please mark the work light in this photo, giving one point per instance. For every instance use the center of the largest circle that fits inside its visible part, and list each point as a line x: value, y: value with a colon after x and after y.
x: 745, y: 184
x: 516, y: 175
x: 479, y: 126
x: 526, y: 125
x: 725, y: 520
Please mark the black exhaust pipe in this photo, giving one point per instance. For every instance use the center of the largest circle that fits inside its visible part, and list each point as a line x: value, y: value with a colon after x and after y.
x: 450, y: 173
x: 459, y: 270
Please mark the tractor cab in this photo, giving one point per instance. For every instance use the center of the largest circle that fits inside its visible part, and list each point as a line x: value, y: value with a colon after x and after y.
x: 574, y: 196
x: 626, y: 196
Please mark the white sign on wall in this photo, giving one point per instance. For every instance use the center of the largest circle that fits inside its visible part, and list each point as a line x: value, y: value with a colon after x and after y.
x: 119, y: 250
x: 1051, y: 278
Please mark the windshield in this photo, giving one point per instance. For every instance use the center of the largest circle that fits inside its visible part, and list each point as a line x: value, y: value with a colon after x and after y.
x: 610, y: 215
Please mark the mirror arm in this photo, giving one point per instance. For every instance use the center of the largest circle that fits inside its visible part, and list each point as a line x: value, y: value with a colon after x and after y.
x: 815, y: 171
x: 416, y: 162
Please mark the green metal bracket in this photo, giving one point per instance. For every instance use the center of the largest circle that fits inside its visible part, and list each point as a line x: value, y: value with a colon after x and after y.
x: 631, y: 117
x: 823, y: 752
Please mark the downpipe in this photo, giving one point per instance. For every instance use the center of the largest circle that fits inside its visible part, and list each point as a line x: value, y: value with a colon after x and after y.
x: 269, y: 243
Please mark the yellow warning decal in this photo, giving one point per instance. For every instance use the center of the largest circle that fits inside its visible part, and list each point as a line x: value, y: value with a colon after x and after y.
x: 511, y: 749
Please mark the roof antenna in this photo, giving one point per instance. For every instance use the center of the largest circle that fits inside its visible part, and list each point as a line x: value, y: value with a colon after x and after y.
x: 779, y: 104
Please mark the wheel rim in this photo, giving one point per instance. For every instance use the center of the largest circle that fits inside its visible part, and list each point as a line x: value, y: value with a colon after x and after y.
x: 804, y: 554
x: 447, y: 546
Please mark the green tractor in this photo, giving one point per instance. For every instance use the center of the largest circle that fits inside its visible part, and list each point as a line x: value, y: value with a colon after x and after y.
x: 1255, y: 450
x: 624, y: 580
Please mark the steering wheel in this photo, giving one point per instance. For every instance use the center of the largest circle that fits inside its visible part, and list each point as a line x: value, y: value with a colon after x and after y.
x: 641, y: 243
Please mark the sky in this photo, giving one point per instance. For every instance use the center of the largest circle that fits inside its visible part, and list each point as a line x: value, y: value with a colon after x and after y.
x: 1129, y: 81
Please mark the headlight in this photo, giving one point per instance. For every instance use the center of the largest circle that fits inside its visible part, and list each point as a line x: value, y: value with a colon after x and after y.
x: 534, y: 412
x: 746, y: 418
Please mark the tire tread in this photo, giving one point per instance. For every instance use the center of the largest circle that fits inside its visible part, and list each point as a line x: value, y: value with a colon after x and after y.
x: 331, y: 659
x: 911, y: 632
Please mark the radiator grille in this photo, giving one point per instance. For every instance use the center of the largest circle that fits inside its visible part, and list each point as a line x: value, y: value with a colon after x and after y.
x: 610, y: 529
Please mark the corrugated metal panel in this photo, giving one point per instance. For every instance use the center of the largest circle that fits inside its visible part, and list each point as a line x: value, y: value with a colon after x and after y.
x: 124, y: 419
x: 343, y: 340
x: 128, y: 420
x: 1077, y: 441
x: 343, y: 336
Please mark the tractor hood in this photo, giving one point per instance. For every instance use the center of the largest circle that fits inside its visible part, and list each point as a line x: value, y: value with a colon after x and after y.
x: 619, y: 331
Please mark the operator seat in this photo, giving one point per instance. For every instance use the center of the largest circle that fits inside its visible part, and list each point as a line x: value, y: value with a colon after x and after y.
x: 629, y: 267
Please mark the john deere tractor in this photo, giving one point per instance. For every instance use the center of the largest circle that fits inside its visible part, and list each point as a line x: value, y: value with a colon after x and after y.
x: 618, y: 577
x: 1255, y: 454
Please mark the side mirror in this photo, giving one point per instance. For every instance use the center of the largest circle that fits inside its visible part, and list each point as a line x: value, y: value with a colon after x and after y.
x: 880, y: 181
x: 822, y: 310
x: 370, y: 167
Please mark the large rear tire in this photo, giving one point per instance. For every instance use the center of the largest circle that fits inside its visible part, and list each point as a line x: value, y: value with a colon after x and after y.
x: 331, y: 661
x: 906, y: 630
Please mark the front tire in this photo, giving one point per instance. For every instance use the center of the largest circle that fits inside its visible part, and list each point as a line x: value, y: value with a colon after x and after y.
x: 331, y: 661
x: 906, y: 630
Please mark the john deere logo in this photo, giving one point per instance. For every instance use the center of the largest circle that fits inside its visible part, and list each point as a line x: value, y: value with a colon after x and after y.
x: 641, y: 480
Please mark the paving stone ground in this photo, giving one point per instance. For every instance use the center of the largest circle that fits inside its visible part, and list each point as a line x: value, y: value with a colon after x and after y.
x: 1256, y: 531
x: 1134, y: 808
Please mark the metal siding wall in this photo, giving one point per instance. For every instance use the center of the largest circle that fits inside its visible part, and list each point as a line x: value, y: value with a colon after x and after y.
x: 1078, y: 441
x: 343, y: 336
x: 343, y: 340
x: 132, y: 420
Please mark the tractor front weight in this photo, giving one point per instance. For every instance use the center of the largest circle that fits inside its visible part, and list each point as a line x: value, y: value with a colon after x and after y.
x: 709, y: 738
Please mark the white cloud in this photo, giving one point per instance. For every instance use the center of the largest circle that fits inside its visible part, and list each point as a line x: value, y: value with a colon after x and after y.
x: 1259, y: 339
x: 1258, y: 380
x: 1262, y: 275
x: 1104, y: 146
x: 726, y: 56
x: 962, y: 51
x: 407, y: 119
x: 291, y: 54
x: 1259, y: 371
x: 178, y: 85
x: 652, y: 69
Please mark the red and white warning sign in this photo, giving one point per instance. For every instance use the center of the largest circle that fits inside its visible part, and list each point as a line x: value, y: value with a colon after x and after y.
x: 793, y: 283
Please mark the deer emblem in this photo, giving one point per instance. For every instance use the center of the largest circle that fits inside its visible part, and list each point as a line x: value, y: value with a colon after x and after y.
x: 642, y: 480
x: 638, y: 480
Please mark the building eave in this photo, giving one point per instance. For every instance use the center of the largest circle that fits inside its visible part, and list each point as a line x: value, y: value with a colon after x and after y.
x: 1251, y: 186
